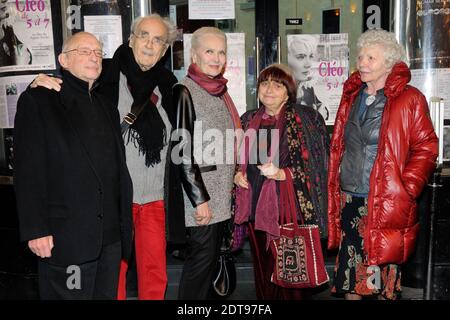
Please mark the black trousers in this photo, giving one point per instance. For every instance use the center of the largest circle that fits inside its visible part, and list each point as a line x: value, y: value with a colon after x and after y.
x: 202, y: 250
x: 96, y: 279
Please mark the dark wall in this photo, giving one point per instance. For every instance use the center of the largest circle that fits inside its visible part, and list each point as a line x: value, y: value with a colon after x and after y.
x: 266, y: 19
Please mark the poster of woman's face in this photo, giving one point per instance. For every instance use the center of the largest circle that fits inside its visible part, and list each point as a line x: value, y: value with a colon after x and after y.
x: 302, y: 53
x: 319, y: 63
x: 26, y: 36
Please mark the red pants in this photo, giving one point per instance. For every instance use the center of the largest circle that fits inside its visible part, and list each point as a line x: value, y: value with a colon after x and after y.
x: 150, y: 247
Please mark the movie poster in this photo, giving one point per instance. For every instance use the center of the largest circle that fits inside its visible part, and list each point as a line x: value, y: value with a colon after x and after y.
x: 320, y: 65
x: 26, y: 36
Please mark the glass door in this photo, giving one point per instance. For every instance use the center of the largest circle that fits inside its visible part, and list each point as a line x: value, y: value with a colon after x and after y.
x: 241, y: 56
x: 318, y: 41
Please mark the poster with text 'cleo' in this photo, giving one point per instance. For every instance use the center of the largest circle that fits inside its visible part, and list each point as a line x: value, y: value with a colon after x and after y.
x: 26, y: 35
x: 320, y: 65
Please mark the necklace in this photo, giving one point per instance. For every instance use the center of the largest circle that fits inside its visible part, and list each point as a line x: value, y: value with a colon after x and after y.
x: 370, y: 99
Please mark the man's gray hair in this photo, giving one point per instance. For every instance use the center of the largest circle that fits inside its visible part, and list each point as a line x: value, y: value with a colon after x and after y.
x: 392, y: 50
x: 170, y: 26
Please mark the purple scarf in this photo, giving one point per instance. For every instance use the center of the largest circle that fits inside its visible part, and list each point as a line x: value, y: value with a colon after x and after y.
x: 267, y: 209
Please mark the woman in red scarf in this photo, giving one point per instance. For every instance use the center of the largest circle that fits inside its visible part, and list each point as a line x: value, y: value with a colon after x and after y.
x: 296, y: 145
x: 204, y: 104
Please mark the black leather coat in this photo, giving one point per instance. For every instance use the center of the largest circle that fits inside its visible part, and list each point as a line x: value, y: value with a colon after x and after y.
x: 189, y: 171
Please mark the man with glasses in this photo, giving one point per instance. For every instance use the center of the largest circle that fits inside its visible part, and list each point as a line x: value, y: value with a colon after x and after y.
x: 138, y: 83
x: 73, y: 188
x: 144, y: 81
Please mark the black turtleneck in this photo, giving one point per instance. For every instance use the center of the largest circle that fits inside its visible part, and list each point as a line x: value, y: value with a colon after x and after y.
x: 97, y: 135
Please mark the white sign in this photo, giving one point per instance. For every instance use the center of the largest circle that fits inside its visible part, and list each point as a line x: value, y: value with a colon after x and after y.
x: 235, y: 71
x: 433, y: 83
x: 211, y: 9
x: 10, y: 90
x: 320, y: 66
x: 107, y: 29
x: 26, y: 36
x: 173, y: 13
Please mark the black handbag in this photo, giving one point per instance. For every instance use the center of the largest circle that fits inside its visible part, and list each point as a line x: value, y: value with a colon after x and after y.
x: 224, y: 279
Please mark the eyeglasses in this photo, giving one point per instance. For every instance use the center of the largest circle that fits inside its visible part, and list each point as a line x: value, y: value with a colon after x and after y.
x: 87, y: 52
x: 156, y: 41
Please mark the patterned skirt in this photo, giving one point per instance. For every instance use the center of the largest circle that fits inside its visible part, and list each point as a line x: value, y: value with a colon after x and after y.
x: 352, y: 274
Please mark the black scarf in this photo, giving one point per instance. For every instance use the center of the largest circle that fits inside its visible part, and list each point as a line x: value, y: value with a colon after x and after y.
x: 148, y: 132
x: 308, y: 143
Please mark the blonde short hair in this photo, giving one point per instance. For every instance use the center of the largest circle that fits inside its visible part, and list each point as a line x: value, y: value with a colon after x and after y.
x: 200, y: 33
x: 310, y: 42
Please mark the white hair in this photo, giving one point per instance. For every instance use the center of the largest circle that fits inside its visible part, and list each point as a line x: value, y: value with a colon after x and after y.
x: 170, y: 26
x: 392, y: 50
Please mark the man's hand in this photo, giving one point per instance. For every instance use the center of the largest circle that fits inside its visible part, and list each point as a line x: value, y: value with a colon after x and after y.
x: 43, y: 80
x: 272, y: 172
x: 241, y: 180
x: 203, y: 215
x: 42, y: 247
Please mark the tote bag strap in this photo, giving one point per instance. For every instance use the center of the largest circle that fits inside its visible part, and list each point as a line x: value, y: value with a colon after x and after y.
x: 288, y: 212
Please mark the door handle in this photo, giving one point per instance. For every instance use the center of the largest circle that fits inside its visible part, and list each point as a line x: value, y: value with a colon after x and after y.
x: 257, y: 57
x: 279, y: 49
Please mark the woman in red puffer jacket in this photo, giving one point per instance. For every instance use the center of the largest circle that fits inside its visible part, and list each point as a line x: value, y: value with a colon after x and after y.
x: 383, y: 150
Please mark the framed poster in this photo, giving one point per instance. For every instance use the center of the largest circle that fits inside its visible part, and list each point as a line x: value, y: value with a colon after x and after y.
x: 320, y: 65
x: 26, y: 36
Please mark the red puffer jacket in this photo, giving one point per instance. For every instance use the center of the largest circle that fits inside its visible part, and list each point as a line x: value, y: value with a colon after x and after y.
x: 407, y: 151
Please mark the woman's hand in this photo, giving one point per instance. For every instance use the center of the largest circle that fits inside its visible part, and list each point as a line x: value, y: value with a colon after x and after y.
x: 272, y: 172
x: 43, y: 80
x: 241, y: 180
x: 23, y: 55
x: 203, y: 214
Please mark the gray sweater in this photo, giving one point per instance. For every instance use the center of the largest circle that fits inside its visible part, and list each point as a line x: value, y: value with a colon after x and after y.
x: 211, y: 113
x: 148, y: 182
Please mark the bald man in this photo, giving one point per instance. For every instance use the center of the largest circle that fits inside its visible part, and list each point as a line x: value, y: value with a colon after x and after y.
x: 73, y: 188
